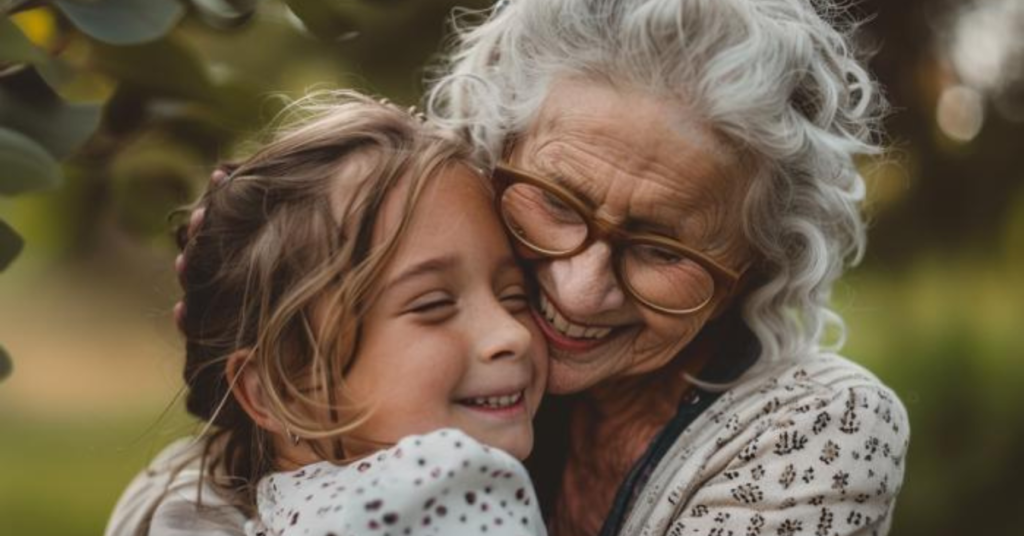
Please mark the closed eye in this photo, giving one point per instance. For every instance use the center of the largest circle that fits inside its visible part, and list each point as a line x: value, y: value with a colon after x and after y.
x: 515, y: 299
x: 650, y: 254
x: 432, y: 306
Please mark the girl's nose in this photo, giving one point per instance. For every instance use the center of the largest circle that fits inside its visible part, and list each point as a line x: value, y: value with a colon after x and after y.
x: 585, y: 284
x: 502, y: 335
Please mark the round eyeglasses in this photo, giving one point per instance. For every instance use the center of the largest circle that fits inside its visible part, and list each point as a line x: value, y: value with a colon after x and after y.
x: 657, y: 271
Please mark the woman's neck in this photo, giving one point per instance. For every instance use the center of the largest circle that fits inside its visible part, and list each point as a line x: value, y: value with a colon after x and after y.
x: 611, y: 427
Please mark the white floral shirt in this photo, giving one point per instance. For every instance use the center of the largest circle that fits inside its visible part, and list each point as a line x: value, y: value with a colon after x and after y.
x: 443, y: 483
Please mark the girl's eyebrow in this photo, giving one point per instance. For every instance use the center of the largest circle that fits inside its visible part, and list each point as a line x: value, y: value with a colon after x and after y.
x: 425, y: 267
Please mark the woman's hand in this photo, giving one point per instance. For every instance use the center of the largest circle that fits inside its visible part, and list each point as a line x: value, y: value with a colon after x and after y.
x: 181, y: 261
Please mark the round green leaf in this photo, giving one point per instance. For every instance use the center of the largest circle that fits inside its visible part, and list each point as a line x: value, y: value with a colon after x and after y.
x: 225, y: 13
x: 15, y: 47
x: 181, y: 73
x: 28, y: 105
x: 5, y: 364
x: 24, y: 165
x: 325, y: 20
x: 10, y: 245
x: 123, y: 22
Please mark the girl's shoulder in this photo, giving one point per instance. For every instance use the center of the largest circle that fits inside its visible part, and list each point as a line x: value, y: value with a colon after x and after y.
x: 444, y: 482
x: 170, y: 498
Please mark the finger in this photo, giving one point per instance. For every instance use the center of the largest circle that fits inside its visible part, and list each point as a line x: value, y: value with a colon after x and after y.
x: 179, y: 316
x: 196, y: 221
x: 218, y: 176
x: 179, y: 266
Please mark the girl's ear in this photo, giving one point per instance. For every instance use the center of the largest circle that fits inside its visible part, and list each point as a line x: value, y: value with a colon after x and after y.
x: 247, y: 388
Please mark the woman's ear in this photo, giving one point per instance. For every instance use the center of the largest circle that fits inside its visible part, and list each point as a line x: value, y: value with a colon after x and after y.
x: 247, y: 388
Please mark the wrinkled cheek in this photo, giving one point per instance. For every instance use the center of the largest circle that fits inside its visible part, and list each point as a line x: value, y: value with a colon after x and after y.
x: 662, y: 339
x: 565, y: 377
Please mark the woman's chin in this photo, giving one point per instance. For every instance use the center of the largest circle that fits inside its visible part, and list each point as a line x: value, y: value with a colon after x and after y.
x: 567, y: 378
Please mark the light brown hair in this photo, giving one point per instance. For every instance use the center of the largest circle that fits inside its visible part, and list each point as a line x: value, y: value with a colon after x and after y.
x: 284, y: 267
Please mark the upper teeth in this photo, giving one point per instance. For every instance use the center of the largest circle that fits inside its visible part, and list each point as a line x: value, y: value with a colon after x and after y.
x: 497, y: 401
x: 565, y: 327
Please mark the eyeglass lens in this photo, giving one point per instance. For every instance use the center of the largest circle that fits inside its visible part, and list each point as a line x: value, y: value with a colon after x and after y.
x: 656, y: 273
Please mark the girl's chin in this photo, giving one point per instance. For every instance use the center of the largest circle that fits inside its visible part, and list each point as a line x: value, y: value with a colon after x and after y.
x: 519, y: 450
x: 518, y: 443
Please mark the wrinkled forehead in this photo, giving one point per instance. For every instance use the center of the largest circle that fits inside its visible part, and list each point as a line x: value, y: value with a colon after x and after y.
x: 639, y: 159
x: 614, y: 110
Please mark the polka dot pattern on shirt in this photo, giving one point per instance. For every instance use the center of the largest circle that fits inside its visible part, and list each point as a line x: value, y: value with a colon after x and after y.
x: 442, y: 483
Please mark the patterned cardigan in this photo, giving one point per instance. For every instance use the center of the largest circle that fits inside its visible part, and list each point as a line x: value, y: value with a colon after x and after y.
x: 813, y: 447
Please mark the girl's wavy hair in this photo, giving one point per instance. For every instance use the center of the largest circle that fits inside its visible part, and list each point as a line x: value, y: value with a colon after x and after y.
x: 284, y: 266
x: 778, y: 79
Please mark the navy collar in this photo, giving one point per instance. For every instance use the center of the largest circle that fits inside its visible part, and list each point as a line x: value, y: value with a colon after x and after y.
x: 727, y: 366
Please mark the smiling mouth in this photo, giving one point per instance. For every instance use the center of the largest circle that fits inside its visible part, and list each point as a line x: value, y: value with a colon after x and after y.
x: 494, y: 402
x: 566, y: 328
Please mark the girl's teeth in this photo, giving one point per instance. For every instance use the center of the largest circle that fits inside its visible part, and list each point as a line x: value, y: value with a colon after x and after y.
x: 565, y: 327
x: 498, y: 401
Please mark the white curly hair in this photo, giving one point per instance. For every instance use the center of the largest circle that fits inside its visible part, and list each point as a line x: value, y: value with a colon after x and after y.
x: 779, y: 79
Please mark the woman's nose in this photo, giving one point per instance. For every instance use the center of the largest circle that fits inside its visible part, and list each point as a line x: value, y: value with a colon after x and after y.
x: 585, y: 283
x: 502, y: 335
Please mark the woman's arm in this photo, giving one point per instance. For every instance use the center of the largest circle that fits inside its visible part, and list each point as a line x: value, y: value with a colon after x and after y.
x: 826, y: 464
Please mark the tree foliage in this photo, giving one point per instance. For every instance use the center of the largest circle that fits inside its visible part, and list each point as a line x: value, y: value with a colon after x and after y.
x: 118, y: 94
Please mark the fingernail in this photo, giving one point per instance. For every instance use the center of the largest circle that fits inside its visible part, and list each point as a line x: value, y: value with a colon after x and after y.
x: 218, y: 175
x: 196, y: 220
x: 179, y: 315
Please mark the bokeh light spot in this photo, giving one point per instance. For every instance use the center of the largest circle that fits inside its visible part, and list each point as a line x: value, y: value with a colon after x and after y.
x: 960, y: 113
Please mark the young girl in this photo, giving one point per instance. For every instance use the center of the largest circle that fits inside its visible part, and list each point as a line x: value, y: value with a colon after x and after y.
x: 358, y: 338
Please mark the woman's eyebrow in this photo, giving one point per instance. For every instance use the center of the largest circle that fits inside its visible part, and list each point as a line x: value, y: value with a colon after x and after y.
x: 654, y: 226
x: 428, y: 266
x: 663, y: 218
x: 658, y: 223
x: 578, y: 190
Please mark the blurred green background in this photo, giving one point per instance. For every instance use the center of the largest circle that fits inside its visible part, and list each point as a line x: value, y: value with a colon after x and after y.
x: 138, y: 98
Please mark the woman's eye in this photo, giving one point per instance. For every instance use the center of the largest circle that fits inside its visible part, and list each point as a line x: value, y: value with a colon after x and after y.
x: 558, y: 209
x: 658, y: 255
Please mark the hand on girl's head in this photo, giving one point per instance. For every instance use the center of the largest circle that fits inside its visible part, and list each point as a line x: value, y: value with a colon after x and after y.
x: 195, y: 221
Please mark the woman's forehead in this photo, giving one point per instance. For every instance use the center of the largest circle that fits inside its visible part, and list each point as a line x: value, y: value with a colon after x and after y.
x: 580, y: 104
x: 637, y: 158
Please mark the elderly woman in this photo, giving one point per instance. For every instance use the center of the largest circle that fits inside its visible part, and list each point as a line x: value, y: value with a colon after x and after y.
x: 679, y: 175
